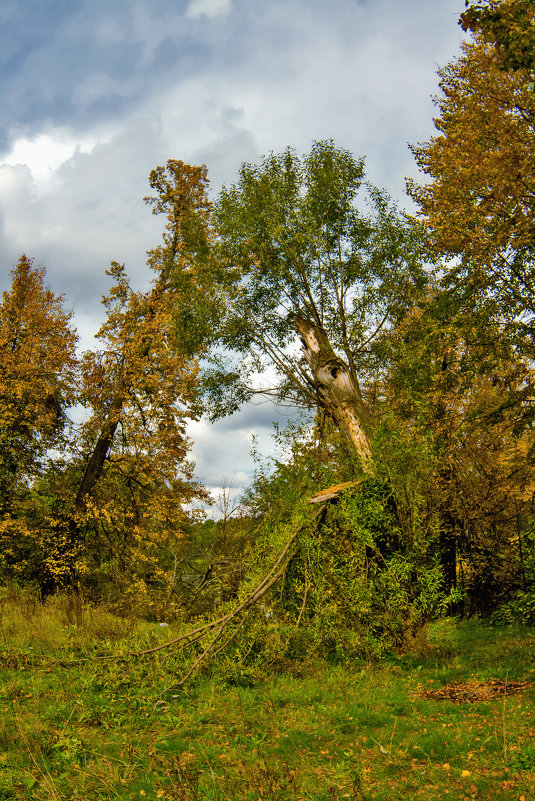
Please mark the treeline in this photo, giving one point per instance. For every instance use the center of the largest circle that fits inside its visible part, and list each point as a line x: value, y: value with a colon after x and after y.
x: 407, y: 342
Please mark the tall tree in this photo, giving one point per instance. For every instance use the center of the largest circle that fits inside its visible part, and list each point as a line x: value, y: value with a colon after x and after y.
x: 479, y: 210
x: 444, y: 390
x: 37, y: 376
x: 129, y: 503
x: 308, y: 250
x: 479, y: 205
x: 137, y: 322
x: 119, y: 500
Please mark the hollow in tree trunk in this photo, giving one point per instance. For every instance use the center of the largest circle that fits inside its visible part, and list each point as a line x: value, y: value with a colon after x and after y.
x: 338, y: 390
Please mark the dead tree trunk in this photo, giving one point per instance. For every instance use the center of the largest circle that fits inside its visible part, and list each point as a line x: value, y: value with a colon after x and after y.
x: 338, y: 391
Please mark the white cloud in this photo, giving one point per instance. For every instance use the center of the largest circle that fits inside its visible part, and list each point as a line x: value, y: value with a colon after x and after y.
x: 46, y: 153
x: 208, y: 8
x: 74, y: 204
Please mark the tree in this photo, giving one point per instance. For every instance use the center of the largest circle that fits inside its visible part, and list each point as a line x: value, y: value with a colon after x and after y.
x: 128, y: 508
x: 38, y: 371
x: 444, y: 392
x: 142, y: 384
x: 138, y: 321
x: 509, y: 25
x: 37, y: 377
x: 479, y: 208
x: 479, y: 205
x: 302, y: 254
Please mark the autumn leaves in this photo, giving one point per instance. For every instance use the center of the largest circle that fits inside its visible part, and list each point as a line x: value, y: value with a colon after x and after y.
x: 101, y: 501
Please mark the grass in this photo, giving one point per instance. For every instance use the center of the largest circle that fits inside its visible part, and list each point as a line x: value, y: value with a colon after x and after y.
x: 88, y: 729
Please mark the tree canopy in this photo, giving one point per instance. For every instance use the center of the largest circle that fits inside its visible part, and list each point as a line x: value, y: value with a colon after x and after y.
x: 509, y: 25
x: 37, y: 376
x: 307, y: 237
x: 479, y: 202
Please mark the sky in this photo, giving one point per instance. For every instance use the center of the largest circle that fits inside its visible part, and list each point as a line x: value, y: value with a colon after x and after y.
x: 96, y: 93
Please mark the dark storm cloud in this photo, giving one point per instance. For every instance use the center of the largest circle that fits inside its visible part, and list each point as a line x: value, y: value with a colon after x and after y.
x: 151, y: 80
x: 257, y: 416
x: 80, y: 63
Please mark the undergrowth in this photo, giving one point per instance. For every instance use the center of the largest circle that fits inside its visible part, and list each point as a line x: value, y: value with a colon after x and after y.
x: 79, y: 728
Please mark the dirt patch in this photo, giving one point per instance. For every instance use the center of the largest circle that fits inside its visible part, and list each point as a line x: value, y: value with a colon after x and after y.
x: 474, y: 691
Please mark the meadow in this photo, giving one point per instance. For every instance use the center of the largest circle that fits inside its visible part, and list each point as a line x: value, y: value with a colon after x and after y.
x: 455, y: 720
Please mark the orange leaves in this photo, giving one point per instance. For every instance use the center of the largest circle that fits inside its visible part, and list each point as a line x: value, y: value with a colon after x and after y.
x: 475, y: 692
x: 36, y: 343
x: 480, y: 201
x: 137, y: 482
x: 182, y: 195
x: 37, y: 368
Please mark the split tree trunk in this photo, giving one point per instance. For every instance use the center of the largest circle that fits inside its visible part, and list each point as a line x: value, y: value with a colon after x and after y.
x: 338, y: 391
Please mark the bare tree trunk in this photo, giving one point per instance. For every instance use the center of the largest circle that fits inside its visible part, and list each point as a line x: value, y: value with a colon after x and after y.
x: 338, y: 391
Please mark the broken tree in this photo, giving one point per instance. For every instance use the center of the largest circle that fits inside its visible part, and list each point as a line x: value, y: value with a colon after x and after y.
x: 299, y: 252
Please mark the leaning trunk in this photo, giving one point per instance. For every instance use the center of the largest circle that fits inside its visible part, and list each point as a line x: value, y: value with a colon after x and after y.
x: 97, y: 460
x: 338, y: 391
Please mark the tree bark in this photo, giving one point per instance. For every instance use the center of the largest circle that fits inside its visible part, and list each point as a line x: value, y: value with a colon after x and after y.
x: 338, y: 391
x: 95, y: 464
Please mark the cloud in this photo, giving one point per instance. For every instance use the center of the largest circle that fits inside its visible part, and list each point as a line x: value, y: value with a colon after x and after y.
x: 42, y: 154
x: 47, y: 152
x: 208, y: 8
x: 75, y: 202
x: 95, y: 95
x: 219, y: 450
x: 78, y: 210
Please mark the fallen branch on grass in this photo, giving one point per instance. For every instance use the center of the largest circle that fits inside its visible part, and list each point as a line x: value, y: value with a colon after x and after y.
x: 235, y: 615
x: 264, y: 585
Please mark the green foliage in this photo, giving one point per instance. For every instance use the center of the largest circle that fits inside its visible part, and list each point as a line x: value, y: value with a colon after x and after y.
x: 519, y: 610
x: 455, y: 441
x: 364, y: 578
x: 73, y: 727
x: 369, y: 591
x: 509, y: 25
x: 452, y: 486
x: 519, y: 606
x: 308, y: 237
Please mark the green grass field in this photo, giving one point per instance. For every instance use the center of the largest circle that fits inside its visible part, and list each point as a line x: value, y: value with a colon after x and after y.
x: 75, y: 727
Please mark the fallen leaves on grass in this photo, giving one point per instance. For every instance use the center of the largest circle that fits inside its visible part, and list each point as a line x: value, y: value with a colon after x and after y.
x: 475, y: 691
